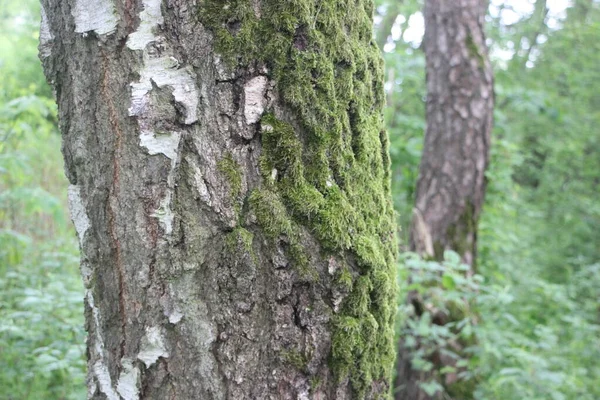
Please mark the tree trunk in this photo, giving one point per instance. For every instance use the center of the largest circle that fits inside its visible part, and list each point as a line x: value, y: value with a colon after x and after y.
x: 230, y: 188
x: 451, y: 185
x: 460, y: 101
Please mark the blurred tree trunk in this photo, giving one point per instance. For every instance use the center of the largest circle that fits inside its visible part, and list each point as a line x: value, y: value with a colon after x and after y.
x: 230, y: 188
x: 451, y: 185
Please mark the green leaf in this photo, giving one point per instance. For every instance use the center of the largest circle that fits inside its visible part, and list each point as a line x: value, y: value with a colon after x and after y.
x: 448, y: 282
x: 431, y: 387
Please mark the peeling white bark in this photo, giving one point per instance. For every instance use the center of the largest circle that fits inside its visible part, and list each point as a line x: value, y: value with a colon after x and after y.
x: 162, y: 72
x: 156, y: 143
x: 103, y: 378
x: 86, y: 274
x: 166, y: 144
x: 99, y: 16
x: 150, y: 17
x: 153, y: 347
x: 128, y: 385
x: 100, y: 367
x: 254, y: 98
x: 78, y: 214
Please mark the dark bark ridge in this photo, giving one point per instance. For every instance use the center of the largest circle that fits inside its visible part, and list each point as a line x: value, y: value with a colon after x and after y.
x: 231, y: 192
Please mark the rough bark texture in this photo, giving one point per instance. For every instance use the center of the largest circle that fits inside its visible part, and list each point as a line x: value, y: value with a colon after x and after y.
x: 230, y: 188
x: 460, y: 99
x: 451, y: 185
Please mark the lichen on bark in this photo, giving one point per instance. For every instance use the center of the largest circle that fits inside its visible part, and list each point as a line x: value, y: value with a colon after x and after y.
x: 324, y: 161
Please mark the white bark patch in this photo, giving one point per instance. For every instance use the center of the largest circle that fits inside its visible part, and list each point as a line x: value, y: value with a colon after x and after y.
x: 163, y: 72
x: 46, y: 36
x: 92, y: 388
x: 170, y: 309
x: 175, y: 317
x: 128, y: 385
x: 150, y: 17
x: 78, y: 213
x: 158, y: 143
x: 164, y: 214
x: 152, y: 347
x: 254, y: 98
x: 99, y: 342
x: 103, y: 378
x: 100, y: 368
x: 99, y: 16
x: 166, y: 144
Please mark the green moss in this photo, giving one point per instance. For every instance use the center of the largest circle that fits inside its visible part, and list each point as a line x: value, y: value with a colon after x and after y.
x: 240, y: 241
x: 344, y: 279
x: 272, y: 214
x: 239, y: 238
x: 230, y: 168
x: 295, y: 358
x: 359, y: 301
x: 315, y: 383
x: 273, y: 217
x: 324, y: 161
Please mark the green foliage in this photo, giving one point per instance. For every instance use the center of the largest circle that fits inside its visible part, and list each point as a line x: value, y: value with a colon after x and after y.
x: 41, y: 309
x: 445, y: 293
x: 537, y: 311
x: 41, y: 322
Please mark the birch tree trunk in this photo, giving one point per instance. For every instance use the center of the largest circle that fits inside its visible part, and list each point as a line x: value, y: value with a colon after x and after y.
x: 451, y: 185
x: 230, y: 189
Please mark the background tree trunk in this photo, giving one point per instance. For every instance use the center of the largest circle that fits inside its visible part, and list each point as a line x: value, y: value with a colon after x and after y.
x: 451, y: 185
x: 230, y: 188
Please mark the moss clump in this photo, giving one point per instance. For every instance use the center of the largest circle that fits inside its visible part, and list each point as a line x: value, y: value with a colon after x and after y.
x: 230, y: 168
x: 324, y: 161
x: 273, y: 217
x: 272, y: 214
x: 239, y: 238
x: 240, y: 241
x: 295, y: 358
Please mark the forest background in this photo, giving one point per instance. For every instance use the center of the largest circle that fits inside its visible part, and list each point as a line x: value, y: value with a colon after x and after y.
x: 532, y: 311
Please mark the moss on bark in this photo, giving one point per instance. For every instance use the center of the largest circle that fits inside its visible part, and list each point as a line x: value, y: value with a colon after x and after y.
x: 231, y: 170
x: 326, y: 169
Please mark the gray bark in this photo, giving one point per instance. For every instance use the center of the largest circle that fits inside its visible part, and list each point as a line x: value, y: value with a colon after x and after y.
x: 451, y: 185
x: 188, y: 295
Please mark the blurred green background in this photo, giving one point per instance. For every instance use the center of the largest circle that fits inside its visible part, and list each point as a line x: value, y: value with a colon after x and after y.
x: 534, y: 307
x: 42, y: 340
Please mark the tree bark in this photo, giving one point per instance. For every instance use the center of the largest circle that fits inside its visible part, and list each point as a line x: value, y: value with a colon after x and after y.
x: 460, y: 101
x: 451, y: 185
x: 230, y: 188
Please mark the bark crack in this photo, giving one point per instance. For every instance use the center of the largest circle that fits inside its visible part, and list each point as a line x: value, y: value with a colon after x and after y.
x: 113, y: 195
